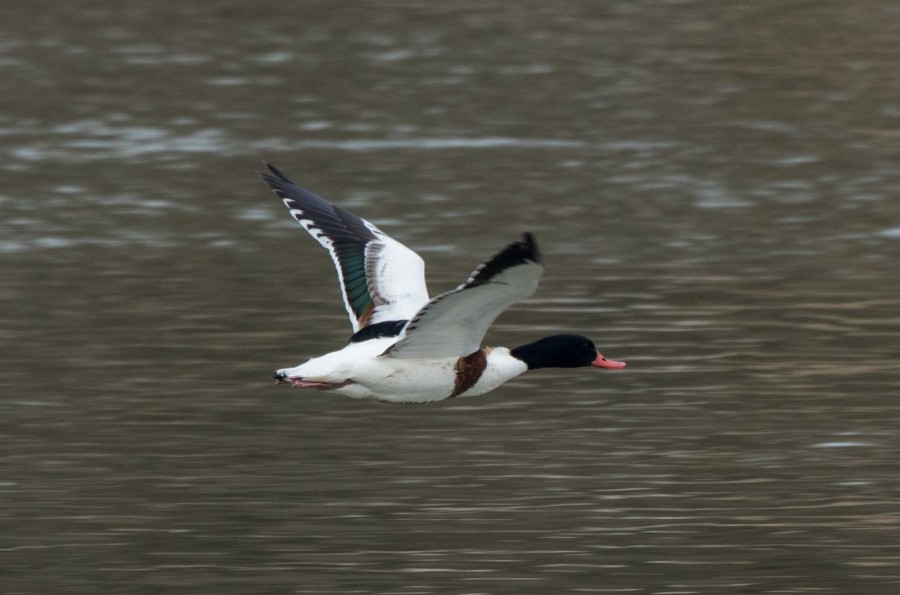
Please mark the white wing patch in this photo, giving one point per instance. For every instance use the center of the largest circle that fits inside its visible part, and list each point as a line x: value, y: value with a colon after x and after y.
x: 395, y: 276
x: 380, y: 278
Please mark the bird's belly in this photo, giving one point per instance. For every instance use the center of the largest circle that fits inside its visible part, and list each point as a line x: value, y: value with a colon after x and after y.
x: 412, y: 382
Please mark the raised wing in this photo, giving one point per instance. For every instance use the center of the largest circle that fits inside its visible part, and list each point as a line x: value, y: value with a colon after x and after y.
x: 381, y: 279
x: 454, y: 323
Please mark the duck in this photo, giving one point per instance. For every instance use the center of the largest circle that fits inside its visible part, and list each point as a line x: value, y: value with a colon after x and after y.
x: 405, y: 346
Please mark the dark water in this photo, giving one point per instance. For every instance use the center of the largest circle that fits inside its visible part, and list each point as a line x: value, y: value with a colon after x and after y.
x: 715, y: 188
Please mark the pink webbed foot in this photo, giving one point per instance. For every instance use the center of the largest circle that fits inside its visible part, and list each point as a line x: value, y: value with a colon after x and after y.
x: 301, y: 383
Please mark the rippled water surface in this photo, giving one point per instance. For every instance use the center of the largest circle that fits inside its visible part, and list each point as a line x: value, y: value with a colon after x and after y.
x: 715, y: 189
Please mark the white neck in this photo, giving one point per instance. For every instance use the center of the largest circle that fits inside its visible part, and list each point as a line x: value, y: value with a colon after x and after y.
x: 501, y: 366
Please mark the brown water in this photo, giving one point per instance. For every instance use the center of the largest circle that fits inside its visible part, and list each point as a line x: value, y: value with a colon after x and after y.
x: 715, y: 188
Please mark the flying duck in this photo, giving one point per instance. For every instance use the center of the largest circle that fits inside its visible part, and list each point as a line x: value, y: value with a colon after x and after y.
x: 405, y: 346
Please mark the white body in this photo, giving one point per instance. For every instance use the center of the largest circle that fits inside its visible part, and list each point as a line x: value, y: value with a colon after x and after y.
x: 396, y: 380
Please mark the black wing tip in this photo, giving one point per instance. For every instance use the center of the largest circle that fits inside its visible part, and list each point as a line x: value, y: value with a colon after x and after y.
x: 525, y: 250
x: 277, y: 172
x: 276, y: 180
x: 530, y: 249
x: 518, y: 253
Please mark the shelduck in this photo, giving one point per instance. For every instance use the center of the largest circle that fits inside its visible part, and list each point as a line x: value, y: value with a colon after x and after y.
x: 405, y: 346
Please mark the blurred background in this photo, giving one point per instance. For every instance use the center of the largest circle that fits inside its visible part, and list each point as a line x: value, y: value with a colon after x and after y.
x: 714, y: 186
